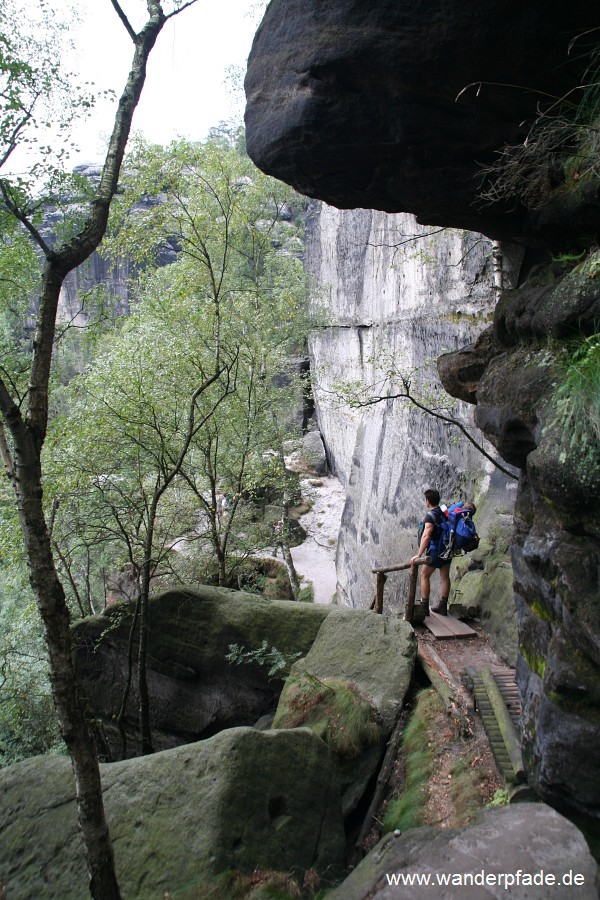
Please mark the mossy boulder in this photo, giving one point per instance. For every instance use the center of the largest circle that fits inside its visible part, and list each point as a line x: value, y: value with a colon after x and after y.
x: 194, y: 691
x: 240, y: 800
x: 527, y: 836
x: 360, y: 661
x: 483, y: 586
x: 488, y: 593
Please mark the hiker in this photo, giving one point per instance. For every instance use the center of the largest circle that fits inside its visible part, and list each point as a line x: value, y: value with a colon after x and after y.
x: 278, y: 536
x: 429, y: 547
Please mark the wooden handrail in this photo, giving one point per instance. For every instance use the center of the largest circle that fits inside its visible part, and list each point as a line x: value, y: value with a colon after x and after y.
x: 401, y: 566
x: 412, y: 585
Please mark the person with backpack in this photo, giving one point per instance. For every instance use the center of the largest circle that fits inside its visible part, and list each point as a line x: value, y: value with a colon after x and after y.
x: 438, y: 539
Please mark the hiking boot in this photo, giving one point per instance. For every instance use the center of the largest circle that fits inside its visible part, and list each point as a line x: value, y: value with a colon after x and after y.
x: 420, y: 610
x: 442, y: 608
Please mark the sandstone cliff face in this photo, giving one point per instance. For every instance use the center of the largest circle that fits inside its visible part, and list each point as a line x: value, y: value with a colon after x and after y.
x: 393, y: 294
x: 523, y: 407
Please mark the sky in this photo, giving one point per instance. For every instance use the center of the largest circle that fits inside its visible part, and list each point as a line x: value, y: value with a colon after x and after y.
x: 184, y: 94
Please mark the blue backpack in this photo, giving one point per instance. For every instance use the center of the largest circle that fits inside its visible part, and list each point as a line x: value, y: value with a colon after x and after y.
x: 453, y: 532
x: 463, y: 534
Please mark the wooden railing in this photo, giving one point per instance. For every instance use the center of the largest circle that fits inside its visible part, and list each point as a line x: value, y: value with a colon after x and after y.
x: 382, y: 574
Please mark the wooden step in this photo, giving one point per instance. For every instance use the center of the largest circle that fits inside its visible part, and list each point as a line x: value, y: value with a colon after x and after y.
x: 497, y: 700
x: 443, y: 627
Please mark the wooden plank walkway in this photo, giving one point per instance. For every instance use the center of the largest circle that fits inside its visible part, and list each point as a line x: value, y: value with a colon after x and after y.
x: 497, y: 701
x: 443, y: 627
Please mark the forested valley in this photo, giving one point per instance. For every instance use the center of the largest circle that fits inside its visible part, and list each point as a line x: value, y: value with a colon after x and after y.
x: 167, y: 420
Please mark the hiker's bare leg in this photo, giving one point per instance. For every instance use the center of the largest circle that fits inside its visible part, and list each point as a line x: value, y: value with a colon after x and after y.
x: 426, y: 573
x: 445, y: 579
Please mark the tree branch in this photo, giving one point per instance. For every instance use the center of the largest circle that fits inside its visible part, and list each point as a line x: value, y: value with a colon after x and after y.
x: 22, y: 218
x: 124, y: 20
x: 180, y: 9
x: 450, y: 420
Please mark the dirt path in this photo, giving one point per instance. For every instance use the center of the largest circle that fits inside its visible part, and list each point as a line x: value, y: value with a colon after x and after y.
x: 452, y: 743
x: 464, y: 774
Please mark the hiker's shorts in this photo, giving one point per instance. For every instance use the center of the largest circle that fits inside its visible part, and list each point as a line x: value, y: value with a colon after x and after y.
x: 436, y: 563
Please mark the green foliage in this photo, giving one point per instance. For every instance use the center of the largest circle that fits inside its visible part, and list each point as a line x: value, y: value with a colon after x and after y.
x: 306, y: 594
x: 262, y: 656
x: 578, y: 395
x: 465, y: 791
x: 501, y: 798
x: 230, y: 308
x: 27, y: 722
x: 39, y: 98
x: 408, y: 808
x: 568, y: 260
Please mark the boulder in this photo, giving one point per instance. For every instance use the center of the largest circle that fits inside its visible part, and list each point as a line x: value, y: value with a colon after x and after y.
x: 518, y: 841
x: 374, y: 655
x: 398, y: 106
x: 240, y: 800
x: 194, y: 691
x: 482, y: 585
x: 313, y: 453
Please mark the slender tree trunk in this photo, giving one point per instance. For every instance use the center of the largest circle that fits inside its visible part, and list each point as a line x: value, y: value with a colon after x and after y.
x: 497, y: 258
x: 146, y: 733
x: 64, y: 679
x: 23, y: 465
x: 287, y: 555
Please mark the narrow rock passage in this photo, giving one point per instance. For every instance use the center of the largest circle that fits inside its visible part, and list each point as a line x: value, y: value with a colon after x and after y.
x: 315, y: 558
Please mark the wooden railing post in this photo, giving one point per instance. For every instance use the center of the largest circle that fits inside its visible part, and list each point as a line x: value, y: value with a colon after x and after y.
x: 409, y: 607
x: 382, y: 573
x: 381, y: 578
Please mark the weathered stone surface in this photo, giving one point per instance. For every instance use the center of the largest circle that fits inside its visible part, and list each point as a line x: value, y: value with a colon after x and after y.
x: 511, y: 397
x: 558, y: 603
x: 558, y: 310
x: 483, y: 585
x: 525, y: 838
x: 240, y: 800
x: 555, y: 552
x: 313, y: 452
x: 374, y: 103
x: 461, y: 371
x: 375, y: 654
x: 194, y: 690
x: 395, y: 294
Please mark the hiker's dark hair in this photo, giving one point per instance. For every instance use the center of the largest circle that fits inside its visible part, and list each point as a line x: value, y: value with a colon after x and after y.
x: 432, y: 496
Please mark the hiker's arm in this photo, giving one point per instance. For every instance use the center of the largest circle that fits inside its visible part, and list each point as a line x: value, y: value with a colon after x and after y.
x: 425, y: 541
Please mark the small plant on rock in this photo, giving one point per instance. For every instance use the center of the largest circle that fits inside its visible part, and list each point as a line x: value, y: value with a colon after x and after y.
x: 262, y: 656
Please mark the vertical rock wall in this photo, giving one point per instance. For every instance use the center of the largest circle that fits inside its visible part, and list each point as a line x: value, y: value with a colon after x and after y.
x: 389, y: 293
